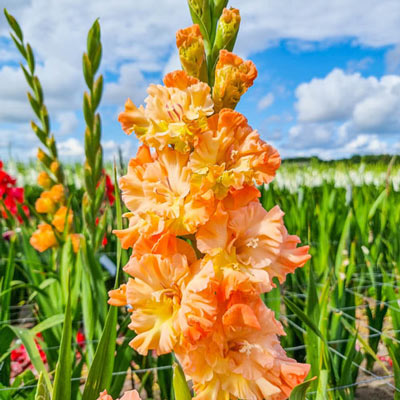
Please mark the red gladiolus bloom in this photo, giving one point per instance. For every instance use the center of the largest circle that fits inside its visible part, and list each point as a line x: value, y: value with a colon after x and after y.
x: 11, y: 195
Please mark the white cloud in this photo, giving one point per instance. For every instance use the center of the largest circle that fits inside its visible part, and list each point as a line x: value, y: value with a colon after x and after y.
x: 68, y: 122
x: 370, y: 104
x: 333, y: 97
x: 266, y: 101
x: 359, y: 65
x: 130, y: 84
x: 344, y: 114
x: 71, y: 148
x: 139, y: 38
x: 392, y: 59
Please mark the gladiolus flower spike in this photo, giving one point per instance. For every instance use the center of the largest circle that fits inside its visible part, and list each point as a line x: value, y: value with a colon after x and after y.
x: 203, y: 248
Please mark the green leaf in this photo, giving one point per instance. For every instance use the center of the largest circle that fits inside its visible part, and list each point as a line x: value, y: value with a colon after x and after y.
x: 300, y: 391
x: 42, y: 392
x: 62, y: 379
x: 100, y: 372
x: 181, y: 387
x: 6, y: 282
x: 47, y: 323
x: 376, y: 204
x: 322, y: 385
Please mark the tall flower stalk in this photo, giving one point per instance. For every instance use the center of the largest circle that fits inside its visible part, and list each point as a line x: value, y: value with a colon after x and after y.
x: 93, y: 168
x: 204, y: 250
x: 49, y: 156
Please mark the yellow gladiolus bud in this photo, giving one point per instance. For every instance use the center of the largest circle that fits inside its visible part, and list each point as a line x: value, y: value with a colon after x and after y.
x: 228, y: 27
x: 191, y: 51
x: 40, y: 154
x: 59, y: 218
x: 54, y: 166
x: 233, y: 77
x: 44, y: 180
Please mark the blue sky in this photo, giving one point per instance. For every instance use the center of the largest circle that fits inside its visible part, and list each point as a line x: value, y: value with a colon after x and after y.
x: 328, y: 73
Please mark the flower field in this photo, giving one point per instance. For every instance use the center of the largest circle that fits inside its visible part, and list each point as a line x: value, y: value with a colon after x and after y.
x: 201, y: 267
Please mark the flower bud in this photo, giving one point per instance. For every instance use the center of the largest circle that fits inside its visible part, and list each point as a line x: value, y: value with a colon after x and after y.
x: 45, y: 204
x: 76, y: 241
x: 54, y: 167
x: 43, y: 157
x: 200, y: 12
x: 191, y: 51
x: 44, y: 180
x: 60, y: 217
x: 233, y: 77
x: 228, y: 27
x: 43, y: 238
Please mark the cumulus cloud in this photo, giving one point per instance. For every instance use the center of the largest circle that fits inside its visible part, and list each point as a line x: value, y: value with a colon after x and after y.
x: 266, y: 101
x: 71, y: 148
x: 346, y: 113
x: 138, y: 40
x: 130, y: 84
x: 370, y: 104
x: 68, y: 122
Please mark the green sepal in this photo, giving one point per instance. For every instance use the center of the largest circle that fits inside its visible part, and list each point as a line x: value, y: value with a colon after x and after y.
x: 87, y: 70
x: 30, y: 58
x: 14, y: 25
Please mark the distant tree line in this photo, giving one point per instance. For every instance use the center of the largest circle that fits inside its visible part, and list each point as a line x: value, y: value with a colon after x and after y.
x: 356, y: 159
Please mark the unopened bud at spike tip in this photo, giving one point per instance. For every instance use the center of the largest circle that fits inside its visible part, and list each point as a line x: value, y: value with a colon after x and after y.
x: 228, y: 27
x: 191, y: 51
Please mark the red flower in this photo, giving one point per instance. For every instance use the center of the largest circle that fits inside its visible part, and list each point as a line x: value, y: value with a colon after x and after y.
x: 20, y: 360
x: 11, y: 195
x: 110, y: 190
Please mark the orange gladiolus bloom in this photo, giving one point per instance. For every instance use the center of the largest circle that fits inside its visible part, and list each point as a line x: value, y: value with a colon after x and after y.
x: 253, y: 241
x: 161, y: 185
x: 60, y: 217
x: 43, y: 238
x: 174, y: 113
x: 232, y: 155
x: 238, y: 361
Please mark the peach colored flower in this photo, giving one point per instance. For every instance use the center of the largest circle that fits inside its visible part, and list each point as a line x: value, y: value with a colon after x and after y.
x: 253, y: 241
x: 155, y: 296
x: 233, y: 77
x: 171, y: 294
x: 140, y: 227
x: 43, y: 238
x: 232, y: 155
x: 60, y: 217
x: 239, y: 361
x: 162, y: 186
x: 131, y: 395
x: 174, y: 113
